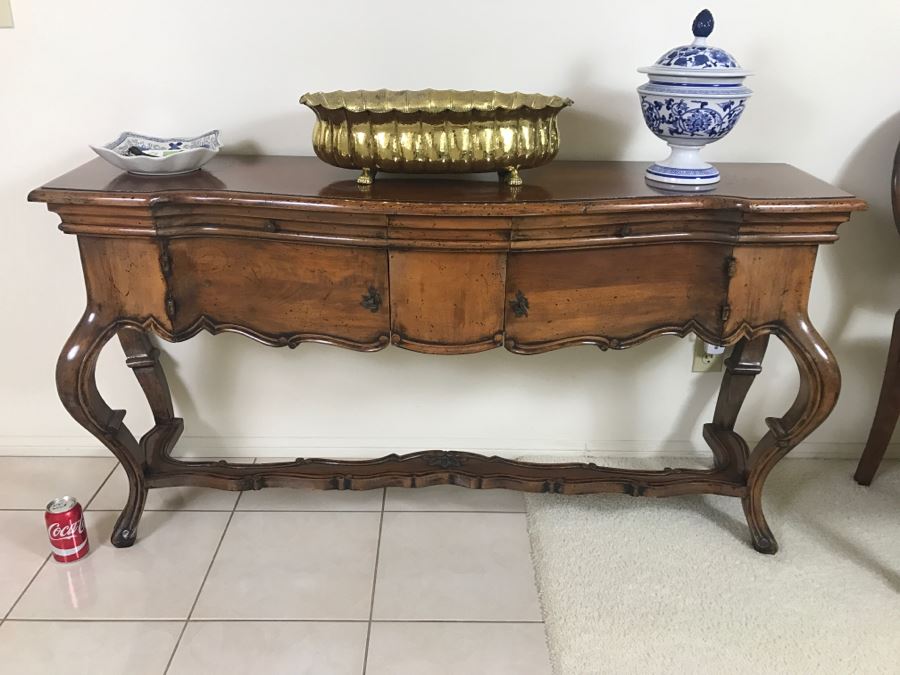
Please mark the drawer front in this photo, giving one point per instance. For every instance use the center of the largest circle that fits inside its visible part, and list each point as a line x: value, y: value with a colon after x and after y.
x: 613, y: 295
x: 447, y: 302
x: 282, y: 290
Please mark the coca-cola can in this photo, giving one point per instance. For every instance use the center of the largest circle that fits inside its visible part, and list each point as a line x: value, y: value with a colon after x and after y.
x: 65, y: 527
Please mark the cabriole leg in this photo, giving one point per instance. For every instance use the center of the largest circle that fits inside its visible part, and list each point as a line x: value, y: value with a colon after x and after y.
x: 77, y: 387
x: 820, y: 383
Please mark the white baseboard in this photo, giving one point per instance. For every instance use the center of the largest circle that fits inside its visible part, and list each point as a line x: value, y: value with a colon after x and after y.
x: 341, y: 448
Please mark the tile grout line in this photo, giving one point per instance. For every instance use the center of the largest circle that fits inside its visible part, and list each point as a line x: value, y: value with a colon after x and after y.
x: 233, y: 510
x: 374, y: 583
x: 102, y: 485
x: 276, y: 620
x: 105, y: 455
x: 49, y: 555
x: 226, y: 510
x: 203, y: 583
x: 24, y: 590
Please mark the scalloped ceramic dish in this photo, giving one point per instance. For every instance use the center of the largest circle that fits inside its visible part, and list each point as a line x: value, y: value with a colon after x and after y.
x: 152, y: 156
x: 435, y: 131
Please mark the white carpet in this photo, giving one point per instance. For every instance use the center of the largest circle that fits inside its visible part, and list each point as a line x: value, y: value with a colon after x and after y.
x: 672, y: 585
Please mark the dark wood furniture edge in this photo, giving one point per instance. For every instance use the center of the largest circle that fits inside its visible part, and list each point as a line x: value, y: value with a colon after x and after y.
x: 888, y: 408
x: 680, y: 202
x: 738, y: 471
x: 887, y: 412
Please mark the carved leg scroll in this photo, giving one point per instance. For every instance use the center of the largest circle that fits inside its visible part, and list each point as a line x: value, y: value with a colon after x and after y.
x: 741, y: 368
x: 77, y: 387
x: 820, y: 383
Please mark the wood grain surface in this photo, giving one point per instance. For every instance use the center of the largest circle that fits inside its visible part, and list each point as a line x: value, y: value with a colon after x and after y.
x: 287, y: 250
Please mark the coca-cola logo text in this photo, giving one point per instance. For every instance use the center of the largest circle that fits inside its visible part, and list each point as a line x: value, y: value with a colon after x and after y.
x: 65, y: 531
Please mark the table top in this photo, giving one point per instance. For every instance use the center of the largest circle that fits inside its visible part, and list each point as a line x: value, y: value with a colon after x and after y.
x: 309, y: 180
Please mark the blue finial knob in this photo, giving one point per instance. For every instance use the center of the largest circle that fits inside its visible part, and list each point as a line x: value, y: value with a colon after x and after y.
x: 703, y: 24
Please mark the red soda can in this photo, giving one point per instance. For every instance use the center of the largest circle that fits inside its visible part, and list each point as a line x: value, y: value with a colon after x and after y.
x: 65, y: 527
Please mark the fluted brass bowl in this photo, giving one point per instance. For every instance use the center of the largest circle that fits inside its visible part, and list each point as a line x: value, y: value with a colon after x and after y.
x: 435, y: 131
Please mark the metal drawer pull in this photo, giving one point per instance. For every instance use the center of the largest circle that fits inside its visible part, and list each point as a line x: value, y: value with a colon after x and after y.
x: 519, y: 306
x: 372, y: 300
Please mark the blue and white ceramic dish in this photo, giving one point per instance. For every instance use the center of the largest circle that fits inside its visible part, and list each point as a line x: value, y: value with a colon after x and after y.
x: 695, y: 94
x: 152, y: 156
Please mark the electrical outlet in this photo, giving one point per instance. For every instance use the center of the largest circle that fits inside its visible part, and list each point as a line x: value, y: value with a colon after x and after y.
x: 5, y: 14
x: 706, y: 363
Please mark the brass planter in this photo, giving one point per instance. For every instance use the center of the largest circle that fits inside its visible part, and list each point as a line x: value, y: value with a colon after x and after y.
x: 434, y: 131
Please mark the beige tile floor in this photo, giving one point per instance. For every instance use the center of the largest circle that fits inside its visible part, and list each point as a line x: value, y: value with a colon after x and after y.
x: 426, y: 582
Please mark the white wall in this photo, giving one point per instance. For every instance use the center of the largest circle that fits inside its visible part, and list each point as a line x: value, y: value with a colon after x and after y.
x: 826, y: 100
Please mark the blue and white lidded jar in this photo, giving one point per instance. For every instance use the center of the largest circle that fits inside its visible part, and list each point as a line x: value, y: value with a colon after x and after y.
x: 695, y: 95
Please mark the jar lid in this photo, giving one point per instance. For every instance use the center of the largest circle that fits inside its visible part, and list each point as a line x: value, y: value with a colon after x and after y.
x: 697, y: 59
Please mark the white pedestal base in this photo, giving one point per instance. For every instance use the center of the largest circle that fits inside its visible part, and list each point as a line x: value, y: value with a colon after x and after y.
x: 683, y: 166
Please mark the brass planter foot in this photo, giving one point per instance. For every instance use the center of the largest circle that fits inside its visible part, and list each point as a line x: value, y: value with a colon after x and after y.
x: 366, y: 177
x: 510, y: 176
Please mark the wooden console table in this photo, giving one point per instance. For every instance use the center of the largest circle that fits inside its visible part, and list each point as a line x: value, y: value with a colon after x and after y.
x: 288, y: 250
